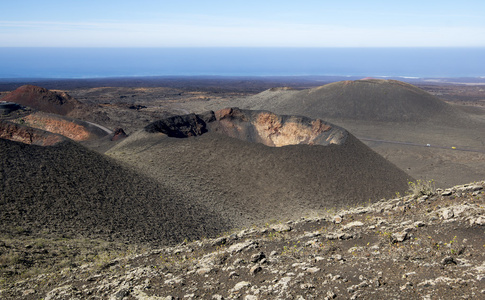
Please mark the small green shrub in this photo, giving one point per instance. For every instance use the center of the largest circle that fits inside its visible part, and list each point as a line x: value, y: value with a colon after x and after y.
x: 422, y: 187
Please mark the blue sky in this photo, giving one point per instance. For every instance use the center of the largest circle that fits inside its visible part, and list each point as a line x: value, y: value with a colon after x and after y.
x: 263, y: 23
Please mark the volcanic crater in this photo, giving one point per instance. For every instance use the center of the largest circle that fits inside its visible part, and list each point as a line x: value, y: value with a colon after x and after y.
x: 262, y: 127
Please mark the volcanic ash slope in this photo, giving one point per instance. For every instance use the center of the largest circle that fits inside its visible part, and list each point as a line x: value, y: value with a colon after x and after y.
x: 369, y: 100
x: 254, y: 166
x: 66, y: 190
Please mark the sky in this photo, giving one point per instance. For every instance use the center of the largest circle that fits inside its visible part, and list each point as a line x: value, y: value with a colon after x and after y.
x: 248, y: 23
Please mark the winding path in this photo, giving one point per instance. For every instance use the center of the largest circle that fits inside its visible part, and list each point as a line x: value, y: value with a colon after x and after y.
x: 420, y: 145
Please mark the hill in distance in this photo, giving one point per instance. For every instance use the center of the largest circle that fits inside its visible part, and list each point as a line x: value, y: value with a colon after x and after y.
x: 42, y: 99
x: 365, y: 100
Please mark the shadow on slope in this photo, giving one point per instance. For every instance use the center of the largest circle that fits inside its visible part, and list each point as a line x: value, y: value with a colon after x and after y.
x: 391, y: 111
x: 68, y: 190
x: 250, y: 182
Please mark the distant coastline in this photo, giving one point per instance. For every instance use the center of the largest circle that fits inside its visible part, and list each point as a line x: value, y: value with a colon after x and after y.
x: 79, y: 63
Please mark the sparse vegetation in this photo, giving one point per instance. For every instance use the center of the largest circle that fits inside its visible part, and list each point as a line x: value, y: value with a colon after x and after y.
x: 422, y: 187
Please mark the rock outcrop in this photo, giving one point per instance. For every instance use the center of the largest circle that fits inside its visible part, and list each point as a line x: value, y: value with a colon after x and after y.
x: 28, y: 135
x: 71, y: 128
x: 181, y: 126
x: 8, y: 107
x: 262, y: 127
x: 42, y: 99
x: 118, y: 134
x: 401, y: 248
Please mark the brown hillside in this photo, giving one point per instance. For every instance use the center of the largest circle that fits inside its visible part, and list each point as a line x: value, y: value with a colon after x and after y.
x: 42, y: 99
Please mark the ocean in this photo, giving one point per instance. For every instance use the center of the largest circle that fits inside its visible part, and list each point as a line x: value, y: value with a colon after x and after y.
x: 127, y: 62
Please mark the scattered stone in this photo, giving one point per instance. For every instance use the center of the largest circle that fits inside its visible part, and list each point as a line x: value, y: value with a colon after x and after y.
x: 419, y: 224
x: 399, y: 236
x: 255, y: 269
x: 28, y: 292
x: 174, y: 281
x: 285, y: 277
x: 330, y: 295
x: 219, y: 242
x: 353, y: 224
x: 307, y: 286
x: 447, y: 193
x: 241, y: 285
x: 236, y: 248
x: 406, y: 286
x: 478, y: 221
x: 257, y: 257
x: 281, y: 227
x: 345, y: 236
x: 313, y: 270
x: 447, y: 213
x: 203, y: 271
x: 337, y: 219
x: 448, y: 261
x: 337, y: 257
x: 284, y: 282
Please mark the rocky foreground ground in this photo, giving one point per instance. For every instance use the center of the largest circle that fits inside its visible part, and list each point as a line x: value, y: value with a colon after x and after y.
x: 429, y: 245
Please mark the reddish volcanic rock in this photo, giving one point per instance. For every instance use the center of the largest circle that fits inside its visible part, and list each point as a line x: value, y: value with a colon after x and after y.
x: 119, y: 134
x: 253, y: 126
x: 42, y: 99
x: 69, y: 127
x: 28, y: 135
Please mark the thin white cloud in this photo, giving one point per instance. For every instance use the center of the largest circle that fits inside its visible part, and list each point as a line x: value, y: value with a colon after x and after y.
x: 169, y: 33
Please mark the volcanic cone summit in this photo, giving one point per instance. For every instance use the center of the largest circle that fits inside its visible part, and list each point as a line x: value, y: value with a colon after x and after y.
x: 364, y: 100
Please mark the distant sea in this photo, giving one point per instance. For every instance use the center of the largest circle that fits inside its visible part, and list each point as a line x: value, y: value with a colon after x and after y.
x: 126, y: 62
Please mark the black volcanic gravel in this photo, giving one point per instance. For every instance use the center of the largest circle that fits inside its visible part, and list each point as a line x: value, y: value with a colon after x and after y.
x: 69, y: 190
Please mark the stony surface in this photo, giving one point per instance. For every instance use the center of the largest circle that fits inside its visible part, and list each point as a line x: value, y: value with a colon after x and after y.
x: 403, y: 248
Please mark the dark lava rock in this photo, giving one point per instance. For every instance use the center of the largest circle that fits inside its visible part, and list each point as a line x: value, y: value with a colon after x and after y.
x: 119, y: 134
x: 8, y: 107
x: 179, y: 126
